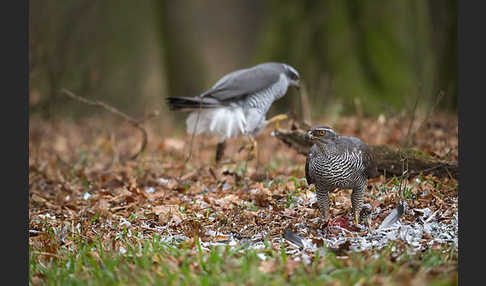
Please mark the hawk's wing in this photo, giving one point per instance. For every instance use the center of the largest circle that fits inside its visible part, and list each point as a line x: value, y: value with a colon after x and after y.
x: 369, y: 163
x: 371, y: 170
x: 244, y: 82
x: 307, y: 173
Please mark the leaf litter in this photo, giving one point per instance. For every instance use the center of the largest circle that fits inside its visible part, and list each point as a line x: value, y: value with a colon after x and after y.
x: 244, y: 205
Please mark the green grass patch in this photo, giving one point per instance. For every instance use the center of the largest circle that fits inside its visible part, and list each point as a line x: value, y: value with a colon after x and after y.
x: 152, y: 261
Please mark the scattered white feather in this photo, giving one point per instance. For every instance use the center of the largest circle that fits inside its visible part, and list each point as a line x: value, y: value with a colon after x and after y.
x: 262, y: 256
x: 163, y: 181
x: 47, y: 216
x: 392, y: 217
x: 124, y: 222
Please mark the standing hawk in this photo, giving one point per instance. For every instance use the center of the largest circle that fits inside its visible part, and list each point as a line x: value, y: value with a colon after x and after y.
x: 336, y: 161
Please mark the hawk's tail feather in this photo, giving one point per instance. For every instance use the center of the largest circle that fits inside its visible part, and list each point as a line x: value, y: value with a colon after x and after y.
x: 191, y: 103
x: 221, y: 122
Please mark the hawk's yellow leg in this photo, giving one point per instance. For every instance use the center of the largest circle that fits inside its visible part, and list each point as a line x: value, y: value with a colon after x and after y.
x: 252, y: 148
x: 277, y: 119
x: 356, y: 219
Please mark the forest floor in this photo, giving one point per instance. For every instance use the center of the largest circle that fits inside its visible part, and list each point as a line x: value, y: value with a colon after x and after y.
x: 97, y: 219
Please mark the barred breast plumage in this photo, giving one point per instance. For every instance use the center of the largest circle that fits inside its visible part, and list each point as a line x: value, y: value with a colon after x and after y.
x: 338, y: 162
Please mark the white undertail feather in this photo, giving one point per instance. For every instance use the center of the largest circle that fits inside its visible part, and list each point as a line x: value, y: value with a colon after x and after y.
x: 220, y: 122
x: 246, y: 118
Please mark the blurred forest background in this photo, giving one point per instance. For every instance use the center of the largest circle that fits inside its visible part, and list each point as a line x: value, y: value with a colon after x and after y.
x: 371, y: 57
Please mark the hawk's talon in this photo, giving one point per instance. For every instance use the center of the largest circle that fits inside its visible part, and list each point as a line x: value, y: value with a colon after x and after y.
x: 327, y: 221
x: 277, y: 119
x: 252, y: 148
x: 248, y: 146
x: 324, y: 222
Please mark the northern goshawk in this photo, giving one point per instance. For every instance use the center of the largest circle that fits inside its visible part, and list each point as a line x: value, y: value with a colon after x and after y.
x: 237, y: 103
x: 338, y: 162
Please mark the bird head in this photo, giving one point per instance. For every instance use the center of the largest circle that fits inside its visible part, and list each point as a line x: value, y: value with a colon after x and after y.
x: 321, y: 133
x: 292, y: 76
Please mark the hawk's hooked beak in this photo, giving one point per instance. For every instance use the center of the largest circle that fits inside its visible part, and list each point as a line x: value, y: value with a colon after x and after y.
x: 309, y: 136
x: 297, y: 85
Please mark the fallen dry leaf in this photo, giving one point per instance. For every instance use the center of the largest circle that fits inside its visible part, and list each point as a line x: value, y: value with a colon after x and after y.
x: 168, y: 213
x: 268, y: 266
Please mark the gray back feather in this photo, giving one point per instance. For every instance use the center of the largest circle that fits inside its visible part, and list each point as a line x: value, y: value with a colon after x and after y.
x: 246, y: 81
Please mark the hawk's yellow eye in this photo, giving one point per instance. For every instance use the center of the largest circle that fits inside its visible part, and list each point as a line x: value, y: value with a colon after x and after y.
x: 322, y: 132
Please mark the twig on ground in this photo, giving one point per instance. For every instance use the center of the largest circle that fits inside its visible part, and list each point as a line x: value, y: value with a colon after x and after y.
x: 46, y: 254
x: 428, y: 113
x: 135, y: 123
x: 410, y: 134
x: 191, y: 143
x: 403, y: 159
x: 116, y: 154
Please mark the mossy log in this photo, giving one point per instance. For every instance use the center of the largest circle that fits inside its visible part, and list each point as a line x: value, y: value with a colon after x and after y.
x: 391, y: 161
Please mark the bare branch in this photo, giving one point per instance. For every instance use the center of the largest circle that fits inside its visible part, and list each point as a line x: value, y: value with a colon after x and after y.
x: 135, y: 123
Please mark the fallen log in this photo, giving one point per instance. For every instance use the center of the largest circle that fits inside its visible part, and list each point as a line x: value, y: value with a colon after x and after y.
x: 391, y: 161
